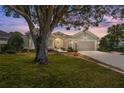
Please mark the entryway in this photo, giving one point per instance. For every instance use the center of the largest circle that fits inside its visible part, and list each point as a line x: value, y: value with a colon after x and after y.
x: 58, y: 43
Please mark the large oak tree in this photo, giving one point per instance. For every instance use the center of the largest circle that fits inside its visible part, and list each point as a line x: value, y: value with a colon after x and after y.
x: 47, y: 17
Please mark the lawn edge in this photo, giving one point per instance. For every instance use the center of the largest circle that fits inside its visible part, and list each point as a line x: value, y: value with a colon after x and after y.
x: 89, y: 59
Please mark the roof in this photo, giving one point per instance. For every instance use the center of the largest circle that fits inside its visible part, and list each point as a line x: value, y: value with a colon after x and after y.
x: 97, y: 31
x: 61, y: 33
x: 88, y: 32
x: 74, y: 33
x: 4, y: 34
x: 63, y: 30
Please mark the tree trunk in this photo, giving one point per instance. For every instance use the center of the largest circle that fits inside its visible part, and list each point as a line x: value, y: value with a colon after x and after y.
x: 41, y: 49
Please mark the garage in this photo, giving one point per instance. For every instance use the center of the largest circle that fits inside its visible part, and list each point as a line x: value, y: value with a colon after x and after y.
x: 86, y: 45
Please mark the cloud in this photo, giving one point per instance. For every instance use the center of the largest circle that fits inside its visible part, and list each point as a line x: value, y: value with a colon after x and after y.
x: 108, y: 21
x: 10, y: 24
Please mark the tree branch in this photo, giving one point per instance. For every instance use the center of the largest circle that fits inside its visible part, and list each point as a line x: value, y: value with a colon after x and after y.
x: 23, y: 14
x: 58, y: 16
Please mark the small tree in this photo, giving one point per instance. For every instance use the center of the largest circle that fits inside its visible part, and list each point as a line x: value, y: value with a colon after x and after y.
x: 110, y: 41
x: 16, y: 40
x: 116, y: 33
x: 105, y: 44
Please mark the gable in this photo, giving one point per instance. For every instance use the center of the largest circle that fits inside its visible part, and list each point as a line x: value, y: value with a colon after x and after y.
x: 60, y: 34
x: 85, y: 36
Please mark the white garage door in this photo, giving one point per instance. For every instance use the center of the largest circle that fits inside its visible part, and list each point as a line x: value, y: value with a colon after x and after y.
x: 86, y: 45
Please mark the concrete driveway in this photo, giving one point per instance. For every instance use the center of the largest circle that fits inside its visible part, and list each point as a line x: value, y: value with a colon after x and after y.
x: 114, y: 60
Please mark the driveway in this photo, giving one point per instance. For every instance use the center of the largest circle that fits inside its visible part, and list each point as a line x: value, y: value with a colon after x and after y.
x: 114, y: 60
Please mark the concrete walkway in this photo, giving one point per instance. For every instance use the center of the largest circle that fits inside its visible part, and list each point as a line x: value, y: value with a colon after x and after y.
x: 60, y: 50
x: 114, y: 60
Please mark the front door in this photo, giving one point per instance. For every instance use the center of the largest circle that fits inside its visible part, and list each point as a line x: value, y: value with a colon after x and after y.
x: 58, y: 43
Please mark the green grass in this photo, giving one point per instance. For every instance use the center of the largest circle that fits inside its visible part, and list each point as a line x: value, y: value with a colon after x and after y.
x: 62, y: 71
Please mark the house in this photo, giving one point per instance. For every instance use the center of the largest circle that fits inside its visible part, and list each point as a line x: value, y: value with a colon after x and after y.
x: 121, y: 43
x: 3, y: 38
x: 83, y: 41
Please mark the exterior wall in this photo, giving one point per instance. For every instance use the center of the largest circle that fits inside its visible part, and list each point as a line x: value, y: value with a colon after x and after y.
x: 26, y: 43
x: 82, y: 42
x: 51, y: 43
x: 64, y: 38
x: 3, y: 41
x: 121, y: 43
x: 31, y: 43
x: 67, y: 40
x: 85, y: 37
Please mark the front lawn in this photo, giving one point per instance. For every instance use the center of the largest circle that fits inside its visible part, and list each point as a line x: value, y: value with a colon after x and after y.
x: 62, y: 71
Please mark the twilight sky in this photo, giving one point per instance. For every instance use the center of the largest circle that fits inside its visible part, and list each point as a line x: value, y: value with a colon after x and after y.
x: 10, y: 24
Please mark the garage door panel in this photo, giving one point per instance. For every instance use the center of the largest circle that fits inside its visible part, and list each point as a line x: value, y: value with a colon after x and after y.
x: 86, y: 45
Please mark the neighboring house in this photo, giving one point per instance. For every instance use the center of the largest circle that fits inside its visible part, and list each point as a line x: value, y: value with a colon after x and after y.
x: 84, y: 41
x: 121, y: 43
x: 28, y: 43
x: 3, y: 38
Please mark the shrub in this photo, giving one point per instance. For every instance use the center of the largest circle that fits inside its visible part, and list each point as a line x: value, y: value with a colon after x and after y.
x: 119, y: 49
x: 31, y: 50
x: 8, y: 49
x: 2, y: 49
x: 104, y: 49
x: 106, y: 44
x: 25, y: 50
x: 63, y: 48
x: 50, y: 50
x: 16, y: 40
x: 11, y: 51
x: 70, y: 49
x: 75, y: 50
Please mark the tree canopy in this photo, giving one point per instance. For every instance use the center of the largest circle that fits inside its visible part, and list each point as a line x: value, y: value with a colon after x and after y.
x: 80, y: 15
x: 116, y: 33
x: 111, y: 41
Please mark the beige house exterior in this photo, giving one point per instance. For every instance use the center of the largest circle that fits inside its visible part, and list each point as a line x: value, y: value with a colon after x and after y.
x: 84, y: 41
